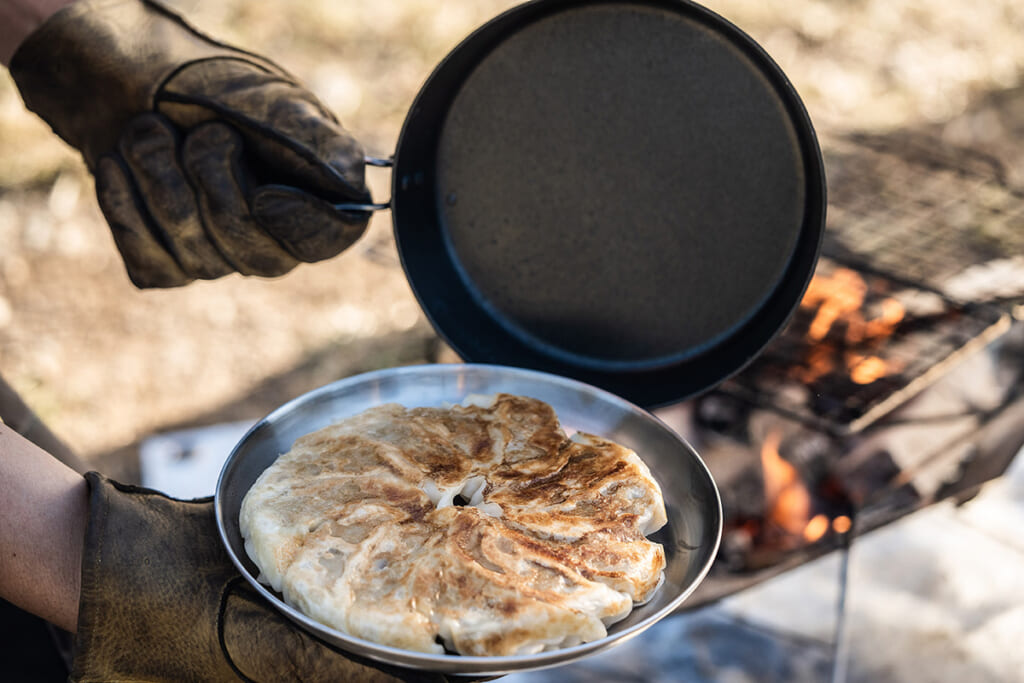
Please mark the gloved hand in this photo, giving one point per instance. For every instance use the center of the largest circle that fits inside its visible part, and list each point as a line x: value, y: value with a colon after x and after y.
x: 207, y: 159
x: 161, y: 601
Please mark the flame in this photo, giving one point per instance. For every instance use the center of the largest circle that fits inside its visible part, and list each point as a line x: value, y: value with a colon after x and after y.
x: 839, y: 298
x: 816, y: 528
x: 838, y: 295
x: 891, y: 314
x: 818, y: 363
x: 866, y: 369
x: 788, y: 498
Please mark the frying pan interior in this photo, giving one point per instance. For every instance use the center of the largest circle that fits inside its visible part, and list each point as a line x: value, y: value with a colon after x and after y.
x: 628, y: 193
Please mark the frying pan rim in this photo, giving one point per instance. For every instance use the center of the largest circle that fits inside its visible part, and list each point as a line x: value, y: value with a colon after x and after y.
x: 477, y: 335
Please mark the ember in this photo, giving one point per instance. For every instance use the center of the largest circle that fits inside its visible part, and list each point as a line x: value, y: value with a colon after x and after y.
x: 787, y: 499
x: 860, y: 344
x: 801, y: 504
x: 837, y: 303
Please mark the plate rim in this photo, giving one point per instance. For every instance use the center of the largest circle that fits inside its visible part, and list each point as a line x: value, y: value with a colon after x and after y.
x: 454, y: 663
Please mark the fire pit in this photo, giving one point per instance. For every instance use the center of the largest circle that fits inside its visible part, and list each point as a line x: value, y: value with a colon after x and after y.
x: 897, y: 383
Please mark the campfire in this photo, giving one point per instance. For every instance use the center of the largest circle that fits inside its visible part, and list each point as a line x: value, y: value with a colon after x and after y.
x: 837, y: 301
x: 789, y: 503
x: 883, y: 395
x: 860, y: 344
x: 809, y: 444
x: 794, y: 513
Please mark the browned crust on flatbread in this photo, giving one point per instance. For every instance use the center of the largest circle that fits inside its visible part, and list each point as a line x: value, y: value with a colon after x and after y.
x: 362, y: 508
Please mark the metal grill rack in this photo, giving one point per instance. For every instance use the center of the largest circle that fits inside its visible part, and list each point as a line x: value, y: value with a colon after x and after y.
x: 907, y: 206
x: 933, y: 333
x: 907, y: 216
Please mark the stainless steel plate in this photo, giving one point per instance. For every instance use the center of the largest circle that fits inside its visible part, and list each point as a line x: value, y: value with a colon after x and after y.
x: 690, y: 538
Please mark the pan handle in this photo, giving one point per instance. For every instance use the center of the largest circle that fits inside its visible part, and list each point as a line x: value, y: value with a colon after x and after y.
x: 370, y: 161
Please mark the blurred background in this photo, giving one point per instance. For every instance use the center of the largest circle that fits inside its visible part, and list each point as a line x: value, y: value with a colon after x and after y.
x: 107, y: 365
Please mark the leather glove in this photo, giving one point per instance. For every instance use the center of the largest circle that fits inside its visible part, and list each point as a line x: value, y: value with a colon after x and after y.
x: 161, y: 601
x: 207, y: 159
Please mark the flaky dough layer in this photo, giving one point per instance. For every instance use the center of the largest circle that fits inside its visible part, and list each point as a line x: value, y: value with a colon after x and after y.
x: 481, y: 528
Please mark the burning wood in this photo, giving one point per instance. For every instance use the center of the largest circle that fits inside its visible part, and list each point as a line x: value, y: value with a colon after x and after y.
x: 802, y: 507
x: 859, y: 345
x: 788, y: 503
x: 899, y: 381
x: 837, y: 302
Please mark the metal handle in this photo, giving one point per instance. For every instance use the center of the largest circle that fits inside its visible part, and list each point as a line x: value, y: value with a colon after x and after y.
x: 370, y: 161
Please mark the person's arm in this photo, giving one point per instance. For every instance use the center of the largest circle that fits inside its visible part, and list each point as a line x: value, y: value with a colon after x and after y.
x: 43, y: 514
x: 19, y: 416
x: 18, y: 18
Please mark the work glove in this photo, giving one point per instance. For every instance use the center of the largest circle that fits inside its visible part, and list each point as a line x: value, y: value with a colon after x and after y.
x: 161, y: 601
x: 207, y: 159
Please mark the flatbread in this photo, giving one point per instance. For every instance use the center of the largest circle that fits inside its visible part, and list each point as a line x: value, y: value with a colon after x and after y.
x: 481, y: 528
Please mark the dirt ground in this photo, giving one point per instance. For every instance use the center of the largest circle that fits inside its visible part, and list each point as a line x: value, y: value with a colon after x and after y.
x: 106, y: 365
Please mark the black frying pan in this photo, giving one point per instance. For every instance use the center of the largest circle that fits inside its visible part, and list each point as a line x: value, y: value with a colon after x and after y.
x: 626, y: 193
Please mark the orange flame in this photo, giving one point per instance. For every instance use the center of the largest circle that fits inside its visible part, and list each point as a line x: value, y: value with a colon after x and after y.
x: 816, y: 528
x: 789, y: 500
x: 839, y: 297
x: 865, y: 370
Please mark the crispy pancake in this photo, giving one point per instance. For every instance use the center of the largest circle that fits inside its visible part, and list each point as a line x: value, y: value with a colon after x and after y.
x: 481, y: 528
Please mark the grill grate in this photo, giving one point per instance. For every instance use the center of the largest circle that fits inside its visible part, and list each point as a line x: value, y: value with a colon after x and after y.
x: 905, y: 205
x: 864, y: 364
x: 803, y: 434
x: 907, y: 216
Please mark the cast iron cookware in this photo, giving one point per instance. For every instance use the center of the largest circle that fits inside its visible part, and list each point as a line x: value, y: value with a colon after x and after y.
x: 626, y: 193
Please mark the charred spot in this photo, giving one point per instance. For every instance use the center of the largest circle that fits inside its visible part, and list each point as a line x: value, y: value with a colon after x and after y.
x: 443, y: 464
x: 415, y: 509
x: 508, y: 607
x: 491, y: 642
x: 481, y: 445
x: 396, y: 494
x: 543, y: 549
x: 587, y: 508
x: 549, y: 440
x: 548, y: 489
x: 585, y: 464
